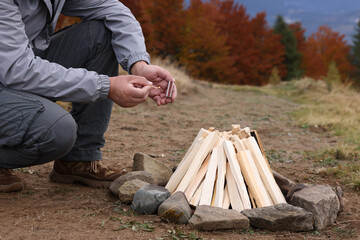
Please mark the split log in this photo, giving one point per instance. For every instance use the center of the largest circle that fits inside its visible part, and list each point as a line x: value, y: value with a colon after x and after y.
x: 264, y: 171
x: 226, y: 202
x: 209, y: 181
x: 235, y: 168
x: 206, y: 147
x: 196, y: 198
x: 186, y: 161
x: 220, y: 182
x: 234, y: 196
x: 253, y: 180
x: 198, y: 179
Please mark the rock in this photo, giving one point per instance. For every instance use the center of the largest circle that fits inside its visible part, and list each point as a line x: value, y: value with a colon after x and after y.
x: 129, y: 188
x: 284, y: 183
x: 159, y: 171
x: 281, y: 217
x: 209, y: 218
x: 321, y: 201
x: 147, y: 199
x: 141, y: 175
x: 175, y: 209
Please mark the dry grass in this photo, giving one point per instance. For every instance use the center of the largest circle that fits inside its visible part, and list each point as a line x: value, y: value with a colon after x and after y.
x: 337, y: 111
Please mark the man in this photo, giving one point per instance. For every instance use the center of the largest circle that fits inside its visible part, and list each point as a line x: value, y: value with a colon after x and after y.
x: 78, y: 64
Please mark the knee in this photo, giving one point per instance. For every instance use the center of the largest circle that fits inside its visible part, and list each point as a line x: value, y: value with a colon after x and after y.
x: 65, y: 130
x: 61, y: 137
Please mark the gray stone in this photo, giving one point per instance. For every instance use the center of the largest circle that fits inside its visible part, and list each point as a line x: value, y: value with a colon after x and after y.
x: 159, y: 171
x: 147, y: 199
x: 321, y: 201
x: 208, y: 218
x: 281, y: 217
x: 141, y: 175
x: 175, y: 209
x: 129, y: 188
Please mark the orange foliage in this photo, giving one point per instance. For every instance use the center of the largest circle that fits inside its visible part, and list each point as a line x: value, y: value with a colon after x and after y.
x: 216, y: 40
x: 253, y: 45
x: 322, y: 48
x: 141, y: 10
x: 205, y: 53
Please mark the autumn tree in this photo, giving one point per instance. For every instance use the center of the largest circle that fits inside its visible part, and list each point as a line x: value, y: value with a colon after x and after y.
x: 141, y: 10
x: 292, y: 56
x: 204, y: 50
x: 322, y: 48
x: 167, y: 17
x: 254, y: 48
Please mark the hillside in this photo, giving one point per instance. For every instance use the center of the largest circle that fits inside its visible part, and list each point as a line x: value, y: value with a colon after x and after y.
x: 46, y: 210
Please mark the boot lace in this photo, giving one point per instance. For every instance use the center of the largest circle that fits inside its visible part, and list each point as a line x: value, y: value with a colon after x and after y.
x: 97, y: 165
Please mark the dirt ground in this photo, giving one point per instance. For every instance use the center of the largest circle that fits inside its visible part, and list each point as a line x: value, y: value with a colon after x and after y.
x: 46, y: 210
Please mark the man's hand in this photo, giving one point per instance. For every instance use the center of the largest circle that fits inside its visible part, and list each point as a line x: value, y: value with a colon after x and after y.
x: 128, y: 90
x: 159, y: 77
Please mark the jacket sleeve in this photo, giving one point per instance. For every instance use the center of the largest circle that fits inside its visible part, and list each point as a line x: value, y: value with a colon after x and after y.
x: 21, y: 70
x: 127, y: 37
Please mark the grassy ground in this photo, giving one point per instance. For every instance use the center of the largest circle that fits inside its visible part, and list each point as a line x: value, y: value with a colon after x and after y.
x: 336, y: 111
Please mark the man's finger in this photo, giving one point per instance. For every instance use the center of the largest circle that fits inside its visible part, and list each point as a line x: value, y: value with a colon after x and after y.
x: 141, y: 93
x: 140, y: 82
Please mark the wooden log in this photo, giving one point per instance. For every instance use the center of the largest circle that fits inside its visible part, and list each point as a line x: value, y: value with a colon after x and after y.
x: 235, y: 128
x: 186, y: 161
x: 235, y: 168
x: 226, y: 201
x: 196, y: 198
x: 264, y: 171
x: 257, y: 138
x: 220, y: 182
x: 244, y: 133
x: 253, y: 179
x: 238, y: 143
x: 215, y: 193
x: 206, y: 147
x: 198, y: 179
x: 209, y: 181
x: 234, y: 195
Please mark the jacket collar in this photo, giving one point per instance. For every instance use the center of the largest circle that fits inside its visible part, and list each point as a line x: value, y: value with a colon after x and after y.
x: 49, y: 7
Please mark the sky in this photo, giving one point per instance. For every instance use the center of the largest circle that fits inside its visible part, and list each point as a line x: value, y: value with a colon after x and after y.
x: 340, y: 15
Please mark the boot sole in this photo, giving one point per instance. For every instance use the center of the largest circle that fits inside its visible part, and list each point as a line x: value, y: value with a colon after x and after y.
x: 71, y: 179
x: 13, y: 187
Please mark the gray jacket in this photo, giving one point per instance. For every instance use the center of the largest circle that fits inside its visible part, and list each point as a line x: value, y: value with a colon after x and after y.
x: 27, y: 24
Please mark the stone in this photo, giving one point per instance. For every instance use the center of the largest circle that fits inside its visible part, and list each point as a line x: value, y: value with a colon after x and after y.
x: 141, y: 175
x: 148, y: 199
x: 175, y: 209
x: 321, y: 201
x: 129, y: 188
x: 209, y: 218
x: 280, y: 217
x: 159, y: 171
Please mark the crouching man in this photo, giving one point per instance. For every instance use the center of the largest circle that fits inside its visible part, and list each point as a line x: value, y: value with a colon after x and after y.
x: 78, y: 64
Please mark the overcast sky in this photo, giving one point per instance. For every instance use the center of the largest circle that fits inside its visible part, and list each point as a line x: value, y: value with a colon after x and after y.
x: 340, y: 15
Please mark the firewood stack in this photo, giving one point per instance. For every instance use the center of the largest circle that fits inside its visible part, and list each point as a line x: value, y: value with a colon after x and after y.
x: 224, y: 169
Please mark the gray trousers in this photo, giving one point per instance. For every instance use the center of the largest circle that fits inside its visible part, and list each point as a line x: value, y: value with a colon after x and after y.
x: 34, y: 130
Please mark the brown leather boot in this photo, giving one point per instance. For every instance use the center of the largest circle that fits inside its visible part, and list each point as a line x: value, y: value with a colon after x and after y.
x: 93, y: 173
x: 9, y: 182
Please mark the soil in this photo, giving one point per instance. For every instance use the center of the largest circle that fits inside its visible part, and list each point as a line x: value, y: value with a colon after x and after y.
x: 46, y: 210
